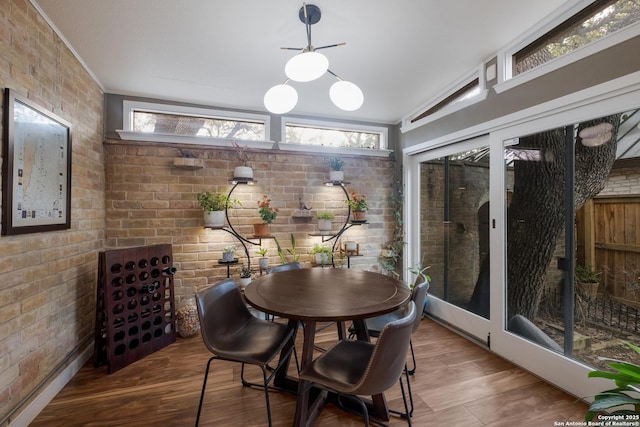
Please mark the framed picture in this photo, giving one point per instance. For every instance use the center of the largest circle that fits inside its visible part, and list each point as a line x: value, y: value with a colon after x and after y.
x: 36, y: 171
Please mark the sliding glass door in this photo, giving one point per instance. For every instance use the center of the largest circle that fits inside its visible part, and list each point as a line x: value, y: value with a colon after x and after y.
x: 516, y: 222
x: 454, y: 233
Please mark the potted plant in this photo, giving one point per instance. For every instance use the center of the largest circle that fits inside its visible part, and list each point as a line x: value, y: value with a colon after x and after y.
x: 324, y: 221
x: 336, y: 174
x: 267, y: 214
x: 263, y: 261
x: 322, y: 254
x: 214, y: 206
x: 245, y: 276
x: 358, y: 205
x: 350, y: 246
x: 626, y: 391
x: 227, y: 254
x: 242, y: 172
x: 587, y: 281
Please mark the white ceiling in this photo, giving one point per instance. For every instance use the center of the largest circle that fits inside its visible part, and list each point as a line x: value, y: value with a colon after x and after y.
x: 226, y: 53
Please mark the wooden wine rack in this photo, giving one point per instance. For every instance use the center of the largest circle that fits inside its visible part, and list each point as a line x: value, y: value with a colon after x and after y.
x: 135, y: 310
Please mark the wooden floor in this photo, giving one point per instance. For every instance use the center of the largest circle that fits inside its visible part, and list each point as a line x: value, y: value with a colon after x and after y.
x: 457, y: 383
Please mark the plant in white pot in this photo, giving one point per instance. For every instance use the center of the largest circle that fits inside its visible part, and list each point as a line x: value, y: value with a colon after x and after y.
x: 245, y: 171
x: 336, y: 174
x: 322, y: 254
x: 263, y: 261
x: 324, y: 221
x: 228, y: 253
x: 214, y: 206
x: 245, y: 276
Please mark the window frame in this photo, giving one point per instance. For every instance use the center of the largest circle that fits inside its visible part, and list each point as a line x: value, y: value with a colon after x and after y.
x: 382, y: 151
x: 130, y: 106
x: 506, y: 79
x: 478, y: 73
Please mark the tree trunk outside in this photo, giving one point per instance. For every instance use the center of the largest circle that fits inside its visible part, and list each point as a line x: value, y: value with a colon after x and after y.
x: 536, y: 212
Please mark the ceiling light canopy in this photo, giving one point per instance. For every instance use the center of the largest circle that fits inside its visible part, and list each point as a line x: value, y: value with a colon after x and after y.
x: 309, y: 65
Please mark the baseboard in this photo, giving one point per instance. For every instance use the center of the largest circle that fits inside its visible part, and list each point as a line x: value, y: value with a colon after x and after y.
x: 26, y: 416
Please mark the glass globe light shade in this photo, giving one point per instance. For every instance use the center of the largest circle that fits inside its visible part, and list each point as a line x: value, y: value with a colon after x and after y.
x: 280, y: 99
x: 306, y: 66
x: 346, y: 95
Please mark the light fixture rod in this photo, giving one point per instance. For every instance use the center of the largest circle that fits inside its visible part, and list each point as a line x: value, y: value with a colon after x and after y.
x: 330, y: 45
x: 334, y: 74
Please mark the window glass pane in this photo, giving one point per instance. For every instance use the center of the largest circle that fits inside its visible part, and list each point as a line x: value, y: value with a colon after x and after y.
x: 464, y: 93
x: 308, y: 135
x: 455, y: 228
x: 593, y: 23
x: 197, y: 126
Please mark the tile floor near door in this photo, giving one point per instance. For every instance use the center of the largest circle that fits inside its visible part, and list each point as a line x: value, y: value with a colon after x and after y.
x: 457, y: 383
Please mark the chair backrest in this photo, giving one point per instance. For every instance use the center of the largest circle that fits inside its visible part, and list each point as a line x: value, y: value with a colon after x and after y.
x: 222, y: 312
x: 285, y: 267
x: 418, y: 295
x: 389, y: 355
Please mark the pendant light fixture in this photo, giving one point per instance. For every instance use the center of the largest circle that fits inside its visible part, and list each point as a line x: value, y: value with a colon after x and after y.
x: 309, y: 65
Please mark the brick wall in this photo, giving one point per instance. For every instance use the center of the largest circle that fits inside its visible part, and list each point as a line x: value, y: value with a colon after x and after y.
x: 47, y: 280
x: 151, y: 201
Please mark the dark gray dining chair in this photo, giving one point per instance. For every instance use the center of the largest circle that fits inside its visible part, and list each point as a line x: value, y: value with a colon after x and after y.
x: 231, y: 333
x: 375, y: 324
x: 359, y: 368
x: 285, y: 267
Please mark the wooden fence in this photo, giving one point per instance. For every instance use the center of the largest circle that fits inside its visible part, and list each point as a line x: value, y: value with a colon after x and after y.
x: 609, y: 240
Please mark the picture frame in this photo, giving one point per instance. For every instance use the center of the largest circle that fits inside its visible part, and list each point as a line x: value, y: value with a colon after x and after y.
x: 36, y: 170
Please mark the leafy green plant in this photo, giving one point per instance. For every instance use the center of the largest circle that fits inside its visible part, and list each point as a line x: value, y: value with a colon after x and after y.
x: 291, y: 252
x: 245, y: 272
x: 262, y: 251
x: 418, y: 270
x: 336, y: 163
x: 325, y: 215
x: 627, y: 392
x: 216, y: 201
x: 586, y: 274
x: 358, y: 202
x: 267, y: 213
x: 325, y: 252
x: 320, y: 249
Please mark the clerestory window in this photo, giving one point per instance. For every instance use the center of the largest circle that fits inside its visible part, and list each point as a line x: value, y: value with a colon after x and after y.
x: 596, y: 21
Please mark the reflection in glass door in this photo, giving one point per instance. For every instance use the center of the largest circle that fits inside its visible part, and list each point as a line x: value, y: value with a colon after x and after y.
x: 454, y: 224
x: 571, y: 216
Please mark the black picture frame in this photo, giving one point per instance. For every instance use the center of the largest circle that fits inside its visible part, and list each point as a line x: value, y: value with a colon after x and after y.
x: 36, y: 170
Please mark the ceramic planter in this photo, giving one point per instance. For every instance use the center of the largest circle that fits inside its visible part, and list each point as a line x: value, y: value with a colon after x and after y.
x: 324, y: 226
x: 243, y: 172
x: 214, y: 219
x: 336, y: 176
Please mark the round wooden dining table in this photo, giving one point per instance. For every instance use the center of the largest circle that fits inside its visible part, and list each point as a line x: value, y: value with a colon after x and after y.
x: 312, y: 295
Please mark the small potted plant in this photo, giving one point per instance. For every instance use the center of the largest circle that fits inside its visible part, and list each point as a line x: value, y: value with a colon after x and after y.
x: 267, y: 214
x: 245, y: 276
x: 336, y: 174
x: 227, y: 254
x: 263, y: 261
x: 358, y: 205
x: 587, y: 281
x: 214, y: 206
x: 243, y: 172
x: 322, y: 254
x: 324, y: 221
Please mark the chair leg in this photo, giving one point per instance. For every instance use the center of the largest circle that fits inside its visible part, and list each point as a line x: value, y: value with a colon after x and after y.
x: 408, y: 413
x: 404, y: 398
x: 413, y: 359
x: 204, y: 385
x: 266, y: 393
